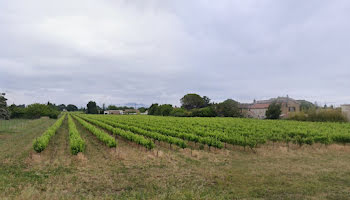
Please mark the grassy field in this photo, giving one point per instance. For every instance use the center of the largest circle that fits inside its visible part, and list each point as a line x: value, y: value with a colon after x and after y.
x: 132, y: 172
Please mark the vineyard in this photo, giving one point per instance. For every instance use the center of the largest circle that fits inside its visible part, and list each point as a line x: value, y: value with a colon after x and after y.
x: 80, y: 156
x: 191, y: 133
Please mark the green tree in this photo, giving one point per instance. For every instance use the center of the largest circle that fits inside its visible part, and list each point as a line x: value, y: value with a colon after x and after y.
x: 204, y: 112
x: 206, y: 101
x: 228, y: 108
x: 17, y: 111
x: 191, y: 101
x: 112, y: 107
x: 142, y: 109
x: 61, y: 107
x: 178, y: 112
x: 52, y: 106
x: 273, y: 111
x: 71, y: 108
x: 153, y: 110
x: 92, y: 108
x: 306, y: 105
x: 38, y: 110
x: 4, y: 112
x: 165, y: 109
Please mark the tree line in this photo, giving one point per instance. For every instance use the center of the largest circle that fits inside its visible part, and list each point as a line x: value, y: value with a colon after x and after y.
x: 38, y: 110
x: 194, y: 105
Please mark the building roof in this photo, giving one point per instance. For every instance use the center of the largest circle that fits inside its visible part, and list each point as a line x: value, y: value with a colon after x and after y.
x: 278, y: 100
x: 260, y: 106
x: 245, y: 105
x: 254, y: 106
x: 264, y: 104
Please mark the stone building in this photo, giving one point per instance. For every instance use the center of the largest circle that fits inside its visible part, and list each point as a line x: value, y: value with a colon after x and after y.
x: 113, y: 112
x: 346, y: 110
x: 258, y: 109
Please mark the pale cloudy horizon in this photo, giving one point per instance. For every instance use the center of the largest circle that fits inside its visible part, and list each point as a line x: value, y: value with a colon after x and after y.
x: 117, y: 52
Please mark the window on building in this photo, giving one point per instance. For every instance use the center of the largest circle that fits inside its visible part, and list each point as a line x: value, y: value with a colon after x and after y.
x: 291, y: 109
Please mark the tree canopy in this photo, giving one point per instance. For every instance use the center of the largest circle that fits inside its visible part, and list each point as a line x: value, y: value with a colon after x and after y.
x: 92, y: 108
x: 4, y: 112
x: 273, y: 111
x: 113, y: 107
x: 71, y: 107
x: 142, y: 109
x: 191, y: 101
x: 228, y: 108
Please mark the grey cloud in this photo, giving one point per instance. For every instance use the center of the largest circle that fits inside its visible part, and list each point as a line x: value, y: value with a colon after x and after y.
x: 156, y: 51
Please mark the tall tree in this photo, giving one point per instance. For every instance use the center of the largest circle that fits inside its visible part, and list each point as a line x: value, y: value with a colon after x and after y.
x: 4, y: 112
x: 228, y: 108
x: 273, y: 111
x: 17, y: 111
x: 112, y: 107
x: 191, y: 101
x: 142, y: 109
x: 206, y: 101
x: 165, y: 109
x: 153, y: 110
x: 71, y: 107
x: 92, y: 108
x: 61, y: 107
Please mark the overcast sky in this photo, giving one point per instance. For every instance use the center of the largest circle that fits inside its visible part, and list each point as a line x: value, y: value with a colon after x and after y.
x: 147, y: 51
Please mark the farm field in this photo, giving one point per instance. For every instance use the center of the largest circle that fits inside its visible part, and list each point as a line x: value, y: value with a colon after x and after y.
x: 148, y: 157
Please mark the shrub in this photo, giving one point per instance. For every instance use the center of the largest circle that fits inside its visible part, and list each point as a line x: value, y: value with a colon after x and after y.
x: 203, y: 112
x: 77, y: 144
x: 41, y: 142
x: 178, y: 112
x: 321, y: 115
x: 39, y: 110
x: 274, y: 111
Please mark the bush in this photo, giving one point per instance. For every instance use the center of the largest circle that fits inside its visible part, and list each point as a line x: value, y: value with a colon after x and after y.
x: 17, y: 111
x: 178, y: 112
x: 228, y: 108
x: 39, y: 110
x: 274, y: 111
x: 77, y: 144
x: 321, y: 115
x: 41, y: 142
x: 203, y: 112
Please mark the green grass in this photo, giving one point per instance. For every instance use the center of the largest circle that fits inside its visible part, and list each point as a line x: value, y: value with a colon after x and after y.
x: 13, y: 125
x: 132, y: 172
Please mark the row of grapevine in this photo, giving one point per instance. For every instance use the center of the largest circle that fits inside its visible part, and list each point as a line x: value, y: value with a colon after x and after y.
x: 191, y: 134
x: 100, y: 134
x: 117, y: 131
x: 41, y: 142
x: 153, y: 135
x: 77, y: 144
x: 244, y: 132
x: 191, y: 127
x: 214, y: 142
